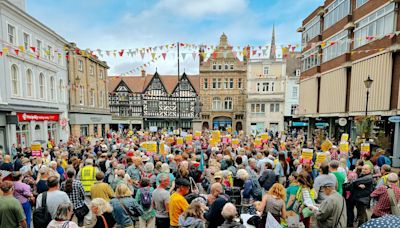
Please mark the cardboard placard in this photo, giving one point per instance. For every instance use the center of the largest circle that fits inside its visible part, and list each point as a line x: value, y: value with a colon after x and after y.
x: 162, y: 149
x: 344, y: 147
x: 36, y: 147
x: 264, y: 137
x: 307, y: 154
x: 216, y: 135
x: 345, y: 137
x: 235, y: 143
x: 326, y: 145
x: 179, y: 141
x: 257, y: 143
x: 321, y: 157
x: 365, y: 148
x: 197, y: 135
x: 189, y: 139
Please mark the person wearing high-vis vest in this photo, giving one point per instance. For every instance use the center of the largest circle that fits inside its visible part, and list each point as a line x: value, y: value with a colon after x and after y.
x: 87, y: 175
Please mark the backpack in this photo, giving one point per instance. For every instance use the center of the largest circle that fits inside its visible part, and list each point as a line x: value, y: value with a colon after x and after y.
x: 394, y: 206
x: 256, y: 189
x: 145, y: 198
x: 41, y: 215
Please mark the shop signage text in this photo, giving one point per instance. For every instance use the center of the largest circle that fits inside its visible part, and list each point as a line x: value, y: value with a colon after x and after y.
x: 24, y: 116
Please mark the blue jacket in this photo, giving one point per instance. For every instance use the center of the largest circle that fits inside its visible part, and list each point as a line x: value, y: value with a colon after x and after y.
x: 119, y: 213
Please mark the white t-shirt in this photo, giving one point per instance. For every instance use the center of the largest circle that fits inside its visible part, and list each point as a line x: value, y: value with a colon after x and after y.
x: 62, y: 224
x: 54, y: 199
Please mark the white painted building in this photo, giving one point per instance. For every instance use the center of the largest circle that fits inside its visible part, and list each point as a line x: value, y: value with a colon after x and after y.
x: 34, y: 79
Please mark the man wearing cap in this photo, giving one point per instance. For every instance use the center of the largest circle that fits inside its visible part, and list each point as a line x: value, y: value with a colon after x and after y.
x: 11, y: 212
x: 332, y: 211
x: 177, y: 201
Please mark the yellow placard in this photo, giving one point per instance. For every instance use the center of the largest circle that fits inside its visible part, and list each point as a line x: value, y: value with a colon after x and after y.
x: 264, y: 136
x: 216, y: 135
x: 152, y: 147
x: 197, y: 134
x: 235, y: 142
x: 130, y: 132
x: 189, y: 138
x: 229, y: 129
x: 307, y: 154
x: 144, y: 145
x: 344, y: 147
x: 365, y: 148
x: 171, y: 140
x: 179, y: 141
x: 326, y: 145
x: 162, y: 149
x: 345, y: 137
x: 257, y: 142
x: 321, y: 157
x: 35, y: 147
x: 134, y: 138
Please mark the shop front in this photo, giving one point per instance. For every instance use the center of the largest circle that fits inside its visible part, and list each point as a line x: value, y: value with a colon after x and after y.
x: 95, y: 125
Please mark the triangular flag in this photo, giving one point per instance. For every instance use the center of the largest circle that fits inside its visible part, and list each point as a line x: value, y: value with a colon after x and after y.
x: 164, y: 55
x: 108, y: 53
x: 215, y: 55
x: 16, y: 51
x: 33, y: 49
x: 142, y: 55
x: 121, y: 53
x: 153, y: 55
x: 183, y: 56
x: 1, y: 53
x: 21, y: 48
x: 5, y: 50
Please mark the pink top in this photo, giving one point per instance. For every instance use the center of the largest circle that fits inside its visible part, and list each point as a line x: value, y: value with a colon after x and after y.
x: 22, y: 192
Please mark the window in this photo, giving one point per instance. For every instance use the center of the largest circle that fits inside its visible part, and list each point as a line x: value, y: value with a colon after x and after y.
x: 231, y: 66
x: 338, y: 48
x: 380, y: 22
x: 258, y: 108
x: 274, y: 108
x: 216, y: 104
x: 184, y: 106
x: 22, y: 132
x: 219, y: 67
x: 226, y: 66
x: 52, y: 89
x: 15, y: 79
x: 214, y: 66
x: 298, y: 72
x: 62, y: 91
x: 272, y: 86
x: 11, y: 34
x: 152, y: 106
x: 294, y: 92
x: 27, y: 41
x: 335, y: 12
x: 219, y: 83
x: 293, y: 109
x: 265, y: 86
x: 50, y: 52
x: 266, y: 70
x: 92, y: 98
x: 81, y: 95
x: 228, y: 103
x: 231, y: 83
x: 360, y: 3
x: 205, y: 86
x: 310, y: 59
x: 226, y: 83
x: 311, y: 29
x: 29, y: 83
x: 39, y: 47
x: 156, y: 84
x: 239, y: 83
x: 41, y: 86
x: 184, y: 85
x: 101, y: 74
x: 214, y: 83
x: 80, y: 65
x: 91, y: 70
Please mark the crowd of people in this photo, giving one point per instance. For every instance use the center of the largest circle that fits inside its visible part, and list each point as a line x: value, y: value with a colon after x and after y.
x: 206, y: 181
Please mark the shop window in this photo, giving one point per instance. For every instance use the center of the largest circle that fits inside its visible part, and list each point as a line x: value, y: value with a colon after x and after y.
x: 84, y: 130
x: 52, y: 130
x: 22, y: 133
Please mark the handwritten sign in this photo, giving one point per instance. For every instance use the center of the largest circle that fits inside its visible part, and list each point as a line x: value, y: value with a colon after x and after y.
x: 179, y: 141
x: 365, y: 148
x: 264, y: 137
x: 152, y: 147
x: 326, y: 145
x: 216, y: 135
x: 344, y: 147
x: 257, y: 143
x: 189, y: 139
x: 235, y: 143
x: 321, y: 157
x: 345, y: 137
x: 197, y: 135
x: 307, y: 154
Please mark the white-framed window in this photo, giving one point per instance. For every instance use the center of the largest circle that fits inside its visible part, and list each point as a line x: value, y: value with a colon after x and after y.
x: 274, y: 107
x: 231, y: 83
x: 312, y: 29
x: 50, y: 52
x: 23, y: 135
x: 62, y: 91
x: 226, y: 66
x: 81, y: 95
x: 228, y: 104
x: 298, y: 71
x: 226, y: 83
x: 42, y: 85
x: 80, y: 65
x: 217, y: 83
x: 293, y: 109
x: 92, y: 98
x: 29, y: 83
x: 91, y: 70
x: 310, y: 59
x: 265, y: 86
x: 360, y: 3
x: 153, y: 106
x: 338, y: 48
x: 240, y: 83
x: 214, y: 66
x: 101, y: 99
x: 379, y: 22
x: 52, y: 88
x: 266, y: 70
x: 15, y: 80
x: 27, y: 41
x: 39, y: 47
x: 216, y: 105
x: 219, y: 67
x: 335, y: 12
x: 101, y: 74
x: 205, y: 85
x: 294, y: 92
x: 184, y: 106
x: 12, y: 37
x: 258, y: 108
x: 231, y: 66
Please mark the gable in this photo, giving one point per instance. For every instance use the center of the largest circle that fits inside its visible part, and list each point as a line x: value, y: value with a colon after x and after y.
x: 155, y: 87
x: 122, y: 87
x: 184, y: 87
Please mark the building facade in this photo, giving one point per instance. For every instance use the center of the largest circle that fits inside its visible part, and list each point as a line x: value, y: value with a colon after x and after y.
x: 33, y: 92
x: 148, y: 101
x: 89, y: 112
x: 347, y: 41
x: 223, y: 89
x: 292, y: 91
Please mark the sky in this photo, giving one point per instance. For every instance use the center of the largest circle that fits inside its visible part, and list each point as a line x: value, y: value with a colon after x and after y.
x: 130, y: 24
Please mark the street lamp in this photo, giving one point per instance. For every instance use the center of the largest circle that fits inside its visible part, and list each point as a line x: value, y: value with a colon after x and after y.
x: 367, y: 83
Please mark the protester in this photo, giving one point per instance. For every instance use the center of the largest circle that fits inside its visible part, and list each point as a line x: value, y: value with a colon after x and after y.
x: 23, y: 193
x: 160, y: 201
x: 11, y: 211
x: 55, y: 197
x: 218, y: 201
x: 322, y: 179
x: 177, y: 201
x: 273, y: 202
x: 100, y: 189
x: 193, y: 216
x: 229, y: 214
x: 144, y: 197
x: 102, y: 210
x: 383, y: 194
x: 62, y: 217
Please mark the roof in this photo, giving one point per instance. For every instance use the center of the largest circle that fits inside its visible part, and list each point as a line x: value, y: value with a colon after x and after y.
x: 139, y: 83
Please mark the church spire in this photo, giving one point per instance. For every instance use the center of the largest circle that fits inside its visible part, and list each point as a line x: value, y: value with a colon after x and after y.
x: 272, y: 53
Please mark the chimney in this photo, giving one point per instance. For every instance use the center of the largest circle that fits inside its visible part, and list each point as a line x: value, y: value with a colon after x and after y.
x: 143, y: 73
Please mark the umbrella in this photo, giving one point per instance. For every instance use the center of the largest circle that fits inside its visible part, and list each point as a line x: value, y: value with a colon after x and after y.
x: 385, y: 221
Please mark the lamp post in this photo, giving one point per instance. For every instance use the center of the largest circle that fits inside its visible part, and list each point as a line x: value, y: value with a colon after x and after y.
x: 367, y: 83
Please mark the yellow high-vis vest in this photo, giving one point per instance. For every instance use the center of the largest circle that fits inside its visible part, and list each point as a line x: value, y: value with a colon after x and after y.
x: 88, y: 177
